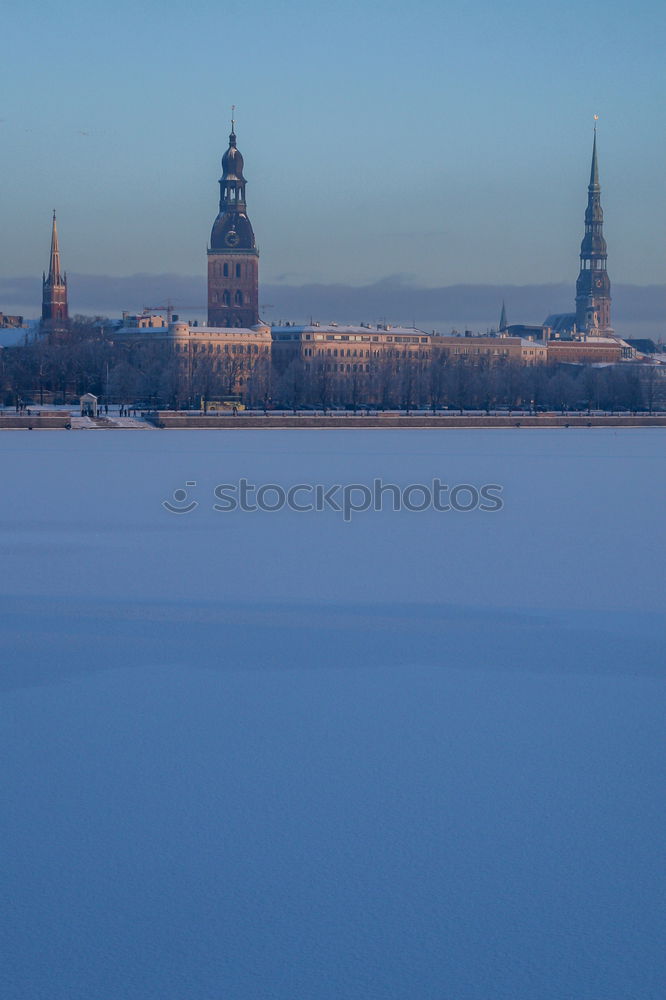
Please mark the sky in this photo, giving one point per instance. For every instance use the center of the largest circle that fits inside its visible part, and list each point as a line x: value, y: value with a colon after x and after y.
x: 434, y: 142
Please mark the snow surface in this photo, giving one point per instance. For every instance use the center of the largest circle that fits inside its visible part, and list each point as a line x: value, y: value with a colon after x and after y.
x: 278, y: 757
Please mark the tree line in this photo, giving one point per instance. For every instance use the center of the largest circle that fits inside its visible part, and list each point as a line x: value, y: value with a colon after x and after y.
x: 58, y: 370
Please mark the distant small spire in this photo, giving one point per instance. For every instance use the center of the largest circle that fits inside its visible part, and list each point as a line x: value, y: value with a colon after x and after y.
x: 232, y: 137
x: 502, y: 322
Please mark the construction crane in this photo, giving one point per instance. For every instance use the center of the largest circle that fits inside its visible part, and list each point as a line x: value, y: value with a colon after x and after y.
x: 169, y: 308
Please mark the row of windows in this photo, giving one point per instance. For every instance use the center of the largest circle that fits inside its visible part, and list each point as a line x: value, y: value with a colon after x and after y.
x: 353, y: 337
x: 341, y: 368
x: 219, y: 270
x: 225, y: 298
x: 495, y: 351
x: 344, y: 368
x: 219, y: 366
x: 228, y: 348
x: 232, y: 192
x: 391, y: 339
x: 333, y: 352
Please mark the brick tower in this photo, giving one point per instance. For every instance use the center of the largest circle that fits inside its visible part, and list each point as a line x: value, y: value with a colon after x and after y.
x: 54, y: 288
x: 593, y: 298
x: 233, y: 258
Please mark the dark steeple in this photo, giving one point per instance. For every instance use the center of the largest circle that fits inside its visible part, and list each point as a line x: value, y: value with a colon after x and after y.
x: 503, y: 323
x: 594, y: 170
x: 54, y: 287
x: 593, y: 286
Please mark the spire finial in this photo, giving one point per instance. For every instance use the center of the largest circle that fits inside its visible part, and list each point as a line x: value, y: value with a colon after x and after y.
x: 594, y: 171
x: 233, y: 118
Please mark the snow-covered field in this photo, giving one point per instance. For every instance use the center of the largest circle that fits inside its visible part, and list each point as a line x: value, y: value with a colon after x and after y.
x: 274, y: 756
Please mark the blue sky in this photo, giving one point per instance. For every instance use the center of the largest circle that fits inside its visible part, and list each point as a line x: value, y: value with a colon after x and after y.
x: 433, y: 140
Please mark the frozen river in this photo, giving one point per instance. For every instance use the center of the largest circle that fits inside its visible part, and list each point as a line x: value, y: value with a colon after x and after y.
x: 277, y: 756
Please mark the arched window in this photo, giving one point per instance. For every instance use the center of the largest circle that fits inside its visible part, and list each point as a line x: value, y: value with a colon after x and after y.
x: 238, y: 298
x: 226, y: 270
x: 226, y: 297
x: 238, y: 270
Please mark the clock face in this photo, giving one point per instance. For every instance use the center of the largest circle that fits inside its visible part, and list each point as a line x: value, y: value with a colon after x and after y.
x: 232, y: 238
x: 599, y: 282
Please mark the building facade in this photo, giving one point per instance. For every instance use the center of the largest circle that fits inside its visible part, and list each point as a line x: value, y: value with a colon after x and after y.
x: 594, y: 350
x: 55, y: 312
x: 349, y: 365
x: 233, y: 258
x: 491, y: 350
x: 191, y: 361
x: 347, y: 350
x: 10, y: 322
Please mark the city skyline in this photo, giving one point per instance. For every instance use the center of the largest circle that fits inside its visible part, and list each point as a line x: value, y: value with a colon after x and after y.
x: 410, y: 295
x: 378, y: 175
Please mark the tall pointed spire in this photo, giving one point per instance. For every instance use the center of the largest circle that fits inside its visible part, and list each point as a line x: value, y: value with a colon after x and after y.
x: 55, y: 276
x: 503, y: 322
x: 594, y: 170
x: 54, y: 286
x: 593, y: 296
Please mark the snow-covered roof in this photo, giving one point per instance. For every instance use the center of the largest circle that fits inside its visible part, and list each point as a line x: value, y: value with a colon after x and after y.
x: 345, y: 329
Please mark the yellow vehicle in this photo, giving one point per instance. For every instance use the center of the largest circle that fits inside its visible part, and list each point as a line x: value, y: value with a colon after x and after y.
x: 221, y: 405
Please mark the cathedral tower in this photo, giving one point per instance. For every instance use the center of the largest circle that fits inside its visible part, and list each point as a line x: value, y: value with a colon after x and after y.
x: 593, y: 296
x: 54, y: 287
x: 233, y: 258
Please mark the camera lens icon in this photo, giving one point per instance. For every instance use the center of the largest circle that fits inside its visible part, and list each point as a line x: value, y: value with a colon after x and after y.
x: 178, y: 503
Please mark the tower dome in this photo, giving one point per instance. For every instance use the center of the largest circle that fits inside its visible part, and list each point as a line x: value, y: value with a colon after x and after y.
x: 232, y: 228
x: 232, y: 161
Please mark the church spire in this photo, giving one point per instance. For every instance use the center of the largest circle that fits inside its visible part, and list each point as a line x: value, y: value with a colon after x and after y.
x: 55, y: 276
x: 594, y: 170
x: 593, y: 296
x: 54, y: 286
x: 503, y: 323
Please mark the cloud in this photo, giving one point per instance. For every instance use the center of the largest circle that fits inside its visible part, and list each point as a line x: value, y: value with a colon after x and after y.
x: 97, y: 293
x: 395, y: 297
